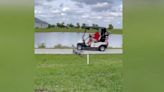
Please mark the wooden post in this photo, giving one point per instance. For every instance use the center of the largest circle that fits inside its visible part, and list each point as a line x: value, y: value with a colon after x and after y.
x: 88, y: 59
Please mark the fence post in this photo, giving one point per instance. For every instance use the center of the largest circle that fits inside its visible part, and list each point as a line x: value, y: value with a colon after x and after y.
x: 88, y: 59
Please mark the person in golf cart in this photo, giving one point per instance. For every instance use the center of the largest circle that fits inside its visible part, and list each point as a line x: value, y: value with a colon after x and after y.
x: 98, y: 36
x: 93, y: 38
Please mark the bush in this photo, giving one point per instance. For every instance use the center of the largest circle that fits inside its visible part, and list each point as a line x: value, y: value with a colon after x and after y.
x: 59, y: 46
x: 110, y: 26
x: 42, y: 45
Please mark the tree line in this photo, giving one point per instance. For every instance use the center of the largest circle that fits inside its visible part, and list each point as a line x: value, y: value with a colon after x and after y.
x: 63, y: 25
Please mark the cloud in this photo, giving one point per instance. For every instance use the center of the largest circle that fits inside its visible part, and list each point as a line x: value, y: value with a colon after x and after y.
x: 61, y: 5
x: 42, y: 2
x: 101, y: 12
x: 99, y: 7
x: 80, y: 5
x: 49, y: 0
x: 92, y: 2
x: 38, y: 2
x: 64, y: 9
x: 112, y: 14
x: 56, y: 11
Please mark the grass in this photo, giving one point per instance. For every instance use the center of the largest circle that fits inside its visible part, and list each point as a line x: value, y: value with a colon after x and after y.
x: 70, y: 73
x: 56, y: 29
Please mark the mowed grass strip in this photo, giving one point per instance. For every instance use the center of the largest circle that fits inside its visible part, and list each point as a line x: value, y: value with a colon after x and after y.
x: 56, y: 29
x: 70, y: 73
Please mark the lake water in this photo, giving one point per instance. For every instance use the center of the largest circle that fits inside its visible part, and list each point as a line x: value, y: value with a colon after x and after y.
x: 51, y: 39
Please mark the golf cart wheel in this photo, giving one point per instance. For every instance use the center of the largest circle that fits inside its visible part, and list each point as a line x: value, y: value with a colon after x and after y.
x: 79, y: 47
x: 102, y: 48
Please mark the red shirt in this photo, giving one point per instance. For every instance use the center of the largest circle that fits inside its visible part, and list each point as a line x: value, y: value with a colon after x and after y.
x: 96, y: 35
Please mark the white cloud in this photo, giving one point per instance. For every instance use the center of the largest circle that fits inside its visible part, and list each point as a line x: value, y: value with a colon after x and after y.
x: 103, y: 4
x: 113, y: 14
x: 97, y: 17
x: 101, y: 13
x: 38, y: 11
x: 85, y: 16
x: 55, y: 11
x: 65, y: 9
x: 62, y: 14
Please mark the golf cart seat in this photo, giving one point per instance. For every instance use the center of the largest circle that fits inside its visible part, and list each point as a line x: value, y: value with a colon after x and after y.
x: 104, y: 35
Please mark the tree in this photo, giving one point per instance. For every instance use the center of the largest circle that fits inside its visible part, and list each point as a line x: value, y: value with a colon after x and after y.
x: 71, y: 25
x: 83, y: 25
x: 95, y: 26
x: 78, y: 25
x: 49, y: 25
x: 110, y: 26
x: 61, y: 25
x: 52, y: 25
x: 67, y: 26
x: 58, y: 24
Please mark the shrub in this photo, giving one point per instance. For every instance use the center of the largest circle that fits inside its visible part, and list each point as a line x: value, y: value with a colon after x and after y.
x: 59, y: 46
x: 42, y: 45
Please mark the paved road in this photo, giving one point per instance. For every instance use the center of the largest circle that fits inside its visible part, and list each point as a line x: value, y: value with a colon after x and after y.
x: 70, y: 51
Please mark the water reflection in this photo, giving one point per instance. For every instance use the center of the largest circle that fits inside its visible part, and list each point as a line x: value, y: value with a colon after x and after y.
x: 52, y: 39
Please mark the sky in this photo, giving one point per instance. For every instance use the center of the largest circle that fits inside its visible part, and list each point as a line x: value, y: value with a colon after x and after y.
x: 101, y: 12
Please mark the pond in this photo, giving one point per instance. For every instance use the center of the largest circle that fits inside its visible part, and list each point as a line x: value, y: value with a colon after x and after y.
x: 67, y: 39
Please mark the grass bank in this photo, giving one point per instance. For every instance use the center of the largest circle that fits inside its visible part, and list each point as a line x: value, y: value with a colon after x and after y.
x: 70, y: 73
x: 56, y: 29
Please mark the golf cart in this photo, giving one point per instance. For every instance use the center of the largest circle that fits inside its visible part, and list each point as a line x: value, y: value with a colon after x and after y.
x: 101, y: 44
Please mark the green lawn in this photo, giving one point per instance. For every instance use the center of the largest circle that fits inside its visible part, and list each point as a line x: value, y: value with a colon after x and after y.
x: 70, y: 73
x: 113, y: 31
